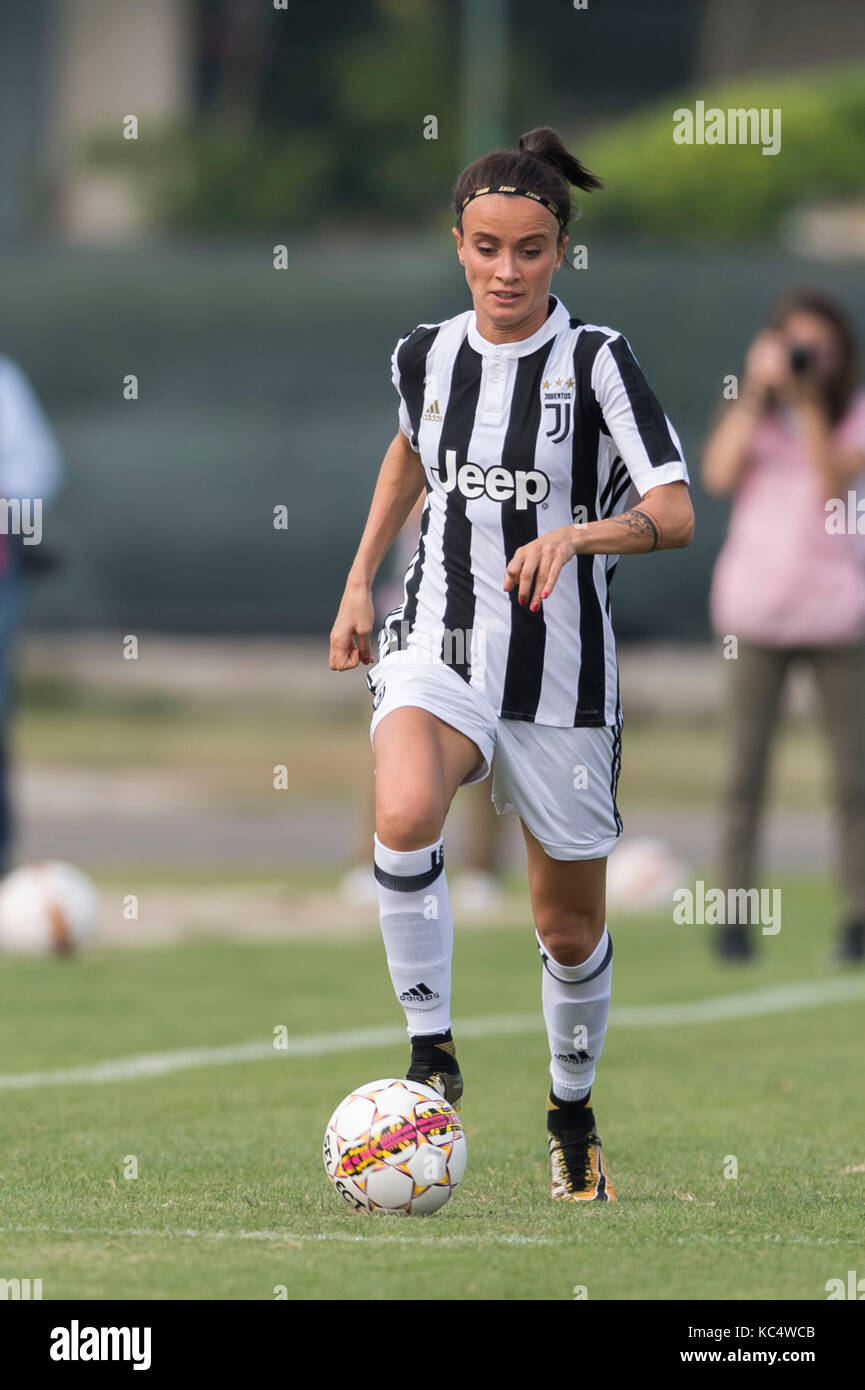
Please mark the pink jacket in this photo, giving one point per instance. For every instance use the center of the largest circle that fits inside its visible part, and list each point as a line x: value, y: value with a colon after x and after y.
x: 782, y: 578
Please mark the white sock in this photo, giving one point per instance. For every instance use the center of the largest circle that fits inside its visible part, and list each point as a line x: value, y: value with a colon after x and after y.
x: 576, y: 1002
x: 418, y: 931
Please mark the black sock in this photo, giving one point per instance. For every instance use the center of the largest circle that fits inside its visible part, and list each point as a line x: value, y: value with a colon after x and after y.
x: 563, y: 1115
x: 434, y: 1049
x: 430, y: 1039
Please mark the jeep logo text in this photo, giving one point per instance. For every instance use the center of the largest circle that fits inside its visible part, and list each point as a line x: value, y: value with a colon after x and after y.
x: 525, y: 486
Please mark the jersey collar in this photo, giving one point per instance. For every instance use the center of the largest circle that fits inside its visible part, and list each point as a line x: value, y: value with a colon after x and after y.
x: 553, y: 324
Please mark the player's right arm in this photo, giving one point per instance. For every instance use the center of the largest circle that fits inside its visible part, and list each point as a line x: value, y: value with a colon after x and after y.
x: 400, y: 481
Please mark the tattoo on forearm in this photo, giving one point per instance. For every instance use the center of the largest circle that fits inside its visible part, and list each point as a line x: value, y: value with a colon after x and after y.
x: 639, y: 523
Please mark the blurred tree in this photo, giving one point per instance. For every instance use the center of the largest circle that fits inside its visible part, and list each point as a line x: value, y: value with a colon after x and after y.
x: 301, y: 124
x: 386, y: 84
x: 581, y: 69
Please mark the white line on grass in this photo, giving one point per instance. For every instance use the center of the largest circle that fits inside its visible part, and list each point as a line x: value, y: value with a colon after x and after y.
x: 809, y: 994
x: 305, y: 1237
x: 574, y: 1237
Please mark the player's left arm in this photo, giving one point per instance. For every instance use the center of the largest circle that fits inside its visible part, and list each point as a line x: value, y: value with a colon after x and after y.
x: 652, y: 453
x: 664, y: 520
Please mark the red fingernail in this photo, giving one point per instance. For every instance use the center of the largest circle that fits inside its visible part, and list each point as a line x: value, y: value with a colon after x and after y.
x: 546, y: 595
x: 535, y: 607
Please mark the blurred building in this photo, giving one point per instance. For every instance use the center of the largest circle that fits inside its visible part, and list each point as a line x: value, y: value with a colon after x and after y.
x: 748, y: 36
x: 112, y: 58
x: 70, y: 69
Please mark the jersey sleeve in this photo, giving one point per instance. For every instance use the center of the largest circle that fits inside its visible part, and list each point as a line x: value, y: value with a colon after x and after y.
x: 403, y: 415
x: 639, y: 428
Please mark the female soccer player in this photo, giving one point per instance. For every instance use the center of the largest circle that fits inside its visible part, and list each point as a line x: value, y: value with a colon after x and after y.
x: 527, y: 428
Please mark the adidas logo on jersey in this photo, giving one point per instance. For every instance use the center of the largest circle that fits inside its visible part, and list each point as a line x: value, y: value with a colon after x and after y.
x: 433, y: 413
x: 526, y: 486
x: 418, y: 994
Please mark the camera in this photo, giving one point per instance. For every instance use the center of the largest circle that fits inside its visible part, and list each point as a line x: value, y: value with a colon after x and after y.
x: 801, y: 359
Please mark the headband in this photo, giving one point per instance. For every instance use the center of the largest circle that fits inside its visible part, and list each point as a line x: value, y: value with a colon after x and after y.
x: 523, y: 192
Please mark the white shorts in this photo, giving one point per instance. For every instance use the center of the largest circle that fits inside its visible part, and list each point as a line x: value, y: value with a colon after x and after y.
x: 561, y: 782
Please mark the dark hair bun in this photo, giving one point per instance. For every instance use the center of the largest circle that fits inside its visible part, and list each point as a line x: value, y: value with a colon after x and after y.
x: 541, y: 164
x: 545, y: 143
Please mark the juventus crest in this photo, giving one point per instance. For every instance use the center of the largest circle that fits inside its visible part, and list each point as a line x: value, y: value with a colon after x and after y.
x: 561, y: 420
x: 559, y: 398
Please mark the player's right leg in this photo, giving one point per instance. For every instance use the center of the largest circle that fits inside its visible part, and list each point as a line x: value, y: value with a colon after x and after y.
x: 420, y: 761
x: 562, y: 784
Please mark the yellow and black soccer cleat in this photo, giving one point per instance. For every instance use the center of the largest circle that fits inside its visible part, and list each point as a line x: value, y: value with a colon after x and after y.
x: 577, y: 1157
x: 434, y: 1063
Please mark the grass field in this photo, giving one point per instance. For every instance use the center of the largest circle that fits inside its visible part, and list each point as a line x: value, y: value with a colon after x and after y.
x: 231, y: 1200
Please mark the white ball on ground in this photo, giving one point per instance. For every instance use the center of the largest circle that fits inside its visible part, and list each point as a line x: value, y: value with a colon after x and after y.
x: 45, y: 909
x: 395, y: 1147
x: 642, y: 875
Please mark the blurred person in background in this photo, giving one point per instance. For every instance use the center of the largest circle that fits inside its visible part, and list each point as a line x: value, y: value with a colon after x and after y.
x: 29, y: 471
x: 477, y: 890
x: 788, y: 584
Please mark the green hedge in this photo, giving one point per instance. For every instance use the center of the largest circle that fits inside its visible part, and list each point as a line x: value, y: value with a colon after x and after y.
x: 726, y: 192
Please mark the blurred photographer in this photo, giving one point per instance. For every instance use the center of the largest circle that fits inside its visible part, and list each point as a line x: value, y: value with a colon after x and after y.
x: 787, y: 585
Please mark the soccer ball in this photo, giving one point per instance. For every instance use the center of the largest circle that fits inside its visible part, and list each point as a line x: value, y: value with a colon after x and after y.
x: 395, y: 1146
x: 46, y: 908
x: 642, y: 875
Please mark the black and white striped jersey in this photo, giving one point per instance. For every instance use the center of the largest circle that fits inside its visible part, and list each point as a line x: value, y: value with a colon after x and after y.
x: 517, y: 439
